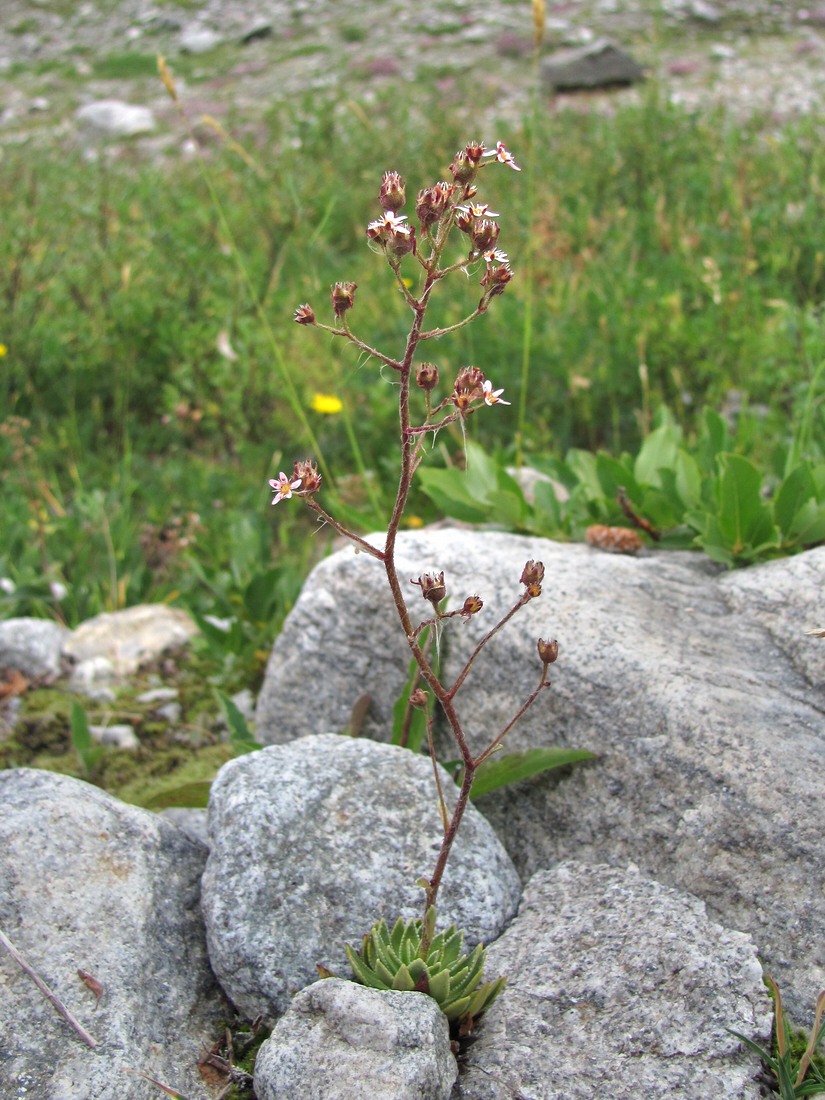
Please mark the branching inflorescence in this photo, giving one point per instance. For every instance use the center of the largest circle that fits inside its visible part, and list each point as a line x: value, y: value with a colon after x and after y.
x: 443, y: 211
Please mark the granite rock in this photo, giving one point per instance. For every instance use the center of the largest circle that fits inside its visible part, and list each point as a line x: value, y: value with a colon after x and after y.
x: 617, y: 986
x: 89, y: 883
x: 311, y: 843
x: 341, y: 1041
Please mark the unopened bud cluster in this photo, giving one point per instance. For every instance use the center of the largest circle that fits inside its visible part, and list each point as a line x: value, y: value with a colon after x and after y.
x: 531, y: 577
x: 432, y: 587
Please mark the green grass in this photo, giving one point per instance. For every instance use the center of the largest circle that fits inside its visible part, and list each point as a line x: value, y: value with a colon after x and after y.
x: 676, y: 257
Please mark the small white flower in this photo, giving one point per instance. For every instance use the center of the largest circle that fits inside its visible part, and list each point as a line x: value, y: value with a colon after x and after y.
x: 478, y: 209
x: 58, y: 590
x: 503, y: 156
x: 491, y: 396
x: 495, y: 255
x: 283, y: 487
x: 7, y: 585
x: 389, y: 222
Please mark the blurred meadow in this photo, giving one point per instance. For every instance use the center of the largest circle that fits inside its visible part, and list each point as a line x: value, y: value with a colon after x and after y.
x: 666, y: 262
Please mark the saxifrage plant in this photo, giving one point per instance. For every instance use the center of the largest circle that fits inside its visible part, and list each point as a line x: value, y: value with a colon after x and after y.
x: 413, y: 956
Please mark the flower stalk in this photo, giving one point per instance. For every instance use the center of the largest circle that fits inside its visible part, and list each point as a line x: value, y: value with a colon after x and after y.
x: 446, y: 212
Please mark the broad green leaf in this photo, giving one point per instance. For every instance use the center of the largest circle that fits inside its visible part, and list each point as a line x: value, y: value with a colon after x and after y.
x: 501, y: 770
x: 546, y: 515
x: 583, y: 466
x: 81, y: 737
x: 193, y: 795
x: 658, y: 452
x: 688, y: 480
x: 88, y: 750
x: 481, y: 474
x: 798, y: 513
x: 240, y: 735
x: 508, y: 508
x: 714, y: 439
x: 744, y: 519
x: 614, y: 475
x: 448, y: 491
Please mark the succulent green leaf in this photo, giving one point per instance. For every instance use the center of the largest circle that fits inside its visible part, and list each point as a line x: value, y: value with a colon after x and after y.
x: 397, y: 935
x: 440, y: 986
x: 485, y: 996
x: 416, y: 969
x: 386, y: 975
x: 456, y: 1010
x: 403, y: 981
x: 362, y: 972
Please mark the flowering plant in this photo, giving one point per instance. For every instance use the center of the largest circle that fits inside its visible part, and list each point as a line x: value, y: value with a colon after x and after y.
x: 445, y: 211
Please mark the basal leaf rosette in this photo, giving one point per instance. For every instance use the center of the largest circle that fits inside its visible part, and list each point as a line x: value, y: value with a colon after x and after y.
x: 392, y: 959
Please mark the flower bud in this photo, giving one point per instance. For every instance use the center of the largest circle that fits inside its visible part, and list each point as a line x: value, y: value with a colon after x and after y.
x: 427, y: 376
x: 393, y: 194
x: 305, y: 315
x: 432, y: 587
x: 462, y: 168
x: 472, y: 606
x: 474, y: 151
x: 307, y: 473
x: 497, y: 278
x: 343, y: 297
x: 419, y: 699
x: 468, y: 387
x: 401, y: 240
x: 432, y: 202
x: 484, y: 235
x: 548, y: 651
x: 531, y: 576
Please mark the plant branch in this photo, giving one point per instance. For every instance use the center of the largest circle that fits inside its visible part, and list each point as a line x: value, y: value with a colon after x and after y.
x: 367, y: 547
x: 435, y: 332
x: 79, y: 1030
x: 494, y: 744
x: 462, y: 676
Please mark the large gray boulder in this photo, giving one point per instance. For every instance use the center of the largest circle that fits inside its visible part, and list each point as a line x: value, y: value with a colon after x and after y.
x: 698, y: 689
x: 89, y: 883
x: 341, y: 1041
x: 617, y: 986
x: 312, y: 842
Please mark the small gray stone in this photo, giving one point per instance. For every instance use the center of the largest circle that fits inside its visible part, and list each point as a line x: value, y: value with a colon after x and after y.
x: 132, y: 637
x: 257, y: 31
x: 33, y: 646
x: 704, y: 12
x: 341, y: 1041
x: 89, y: 883
x: 596, y: 65
x: 198, y: 39
x: 119, y: 736
x: 312, y: 842
x: 158, y: 695
x: 113, y: 118
x: 617, y: 986
x: 94, y: 677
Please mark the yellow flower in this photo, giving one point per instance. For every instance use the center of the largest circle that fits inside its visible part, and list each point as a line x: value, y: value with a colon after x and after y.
x: 4, y: 351
x: 326, y: 403
x: 415, y: 521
